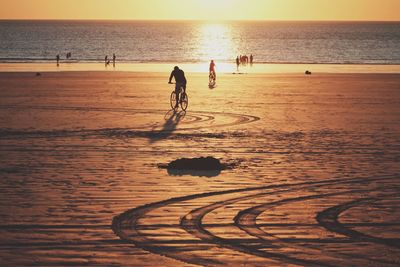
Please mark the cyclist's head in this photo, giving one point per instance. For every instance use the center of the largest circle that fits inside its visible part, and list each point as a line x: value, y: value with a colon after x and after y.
x: 212, y: 60
x: 176, y: 68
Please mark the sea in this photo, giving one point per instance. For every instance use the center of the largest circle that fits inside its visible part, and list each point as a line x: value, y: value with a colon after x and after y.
x: 198, y: 41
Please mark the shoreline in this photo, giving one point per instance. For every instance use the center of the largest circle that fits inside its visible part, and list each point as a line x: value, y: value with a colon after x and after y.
x: 223, y: 68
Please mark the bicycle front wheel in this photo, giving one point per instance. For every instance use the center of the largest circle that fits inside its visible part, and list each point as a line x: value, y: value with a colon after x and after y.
x: 184, y: 101
x: 172, y: 100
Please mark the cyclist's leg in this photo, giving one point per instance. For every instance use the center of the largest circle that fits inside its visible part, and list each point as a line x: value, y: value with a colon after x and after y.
x: 177, y: 89
x: 184, y: 87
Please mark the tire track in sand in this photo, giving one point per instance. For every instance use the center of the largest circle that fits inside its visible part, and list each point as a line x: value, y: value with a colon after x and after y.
x: 131, y: 225
x: 195, y: 120
x: 329, y: 219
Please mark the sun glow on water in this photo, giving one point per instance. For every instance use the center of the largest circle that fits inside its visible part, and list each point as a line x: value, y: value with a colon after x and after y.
x: 215, y: 42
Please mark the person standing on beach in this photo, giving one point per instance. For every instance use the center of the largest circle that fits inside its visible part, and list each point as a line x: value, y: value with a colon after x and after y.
x: 180, y: 81
x: 105, y: 60
x: 212, y: 70
x: 237, y: 62
x: 58, y: 60
x: 251, y: 59
x: 114, y: 58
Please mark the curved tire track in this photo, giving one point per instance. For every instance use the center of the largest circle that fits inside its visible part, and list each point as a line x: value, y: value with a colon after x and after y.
x: 197, y: 117
x: 128, y: 225
x: 329, y: 219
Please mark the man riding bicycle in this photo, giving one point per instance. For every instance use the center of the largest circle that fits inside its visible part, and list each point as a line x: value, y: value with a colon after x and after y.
x: 180, y: 81
x: 212, y: 70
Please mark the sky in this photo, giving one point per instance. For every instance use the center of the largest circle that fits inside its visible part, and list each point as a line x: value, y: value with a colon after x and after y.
x: 383, y: 10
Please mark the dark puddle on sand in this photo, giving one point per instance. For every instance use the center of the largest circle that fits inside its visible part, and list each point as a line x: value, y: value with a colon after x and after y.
x: 203, y: 166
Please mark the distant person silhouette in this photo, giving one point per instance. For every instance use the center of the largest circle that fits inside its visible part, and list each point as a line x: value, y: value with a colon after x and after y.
x: 237, y: 62
x: 114, y: 58
x: 212, y: 70
x: 180, y: 81
x: 251, y: 59
x: 106, y: 61
x: 58, y: 60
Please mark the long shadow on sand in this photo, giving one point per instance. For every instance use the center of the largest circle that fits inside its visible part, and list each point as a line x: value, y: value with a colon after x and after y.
x: 172, y: 119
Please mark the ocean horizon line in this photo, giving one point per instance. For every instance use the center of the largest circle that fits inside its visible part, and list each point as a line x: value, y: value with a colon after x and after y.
x: 190, y: 20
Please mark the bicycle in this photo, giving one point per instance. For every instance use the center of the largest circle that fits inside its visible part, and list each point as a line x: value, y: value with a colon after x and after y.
x: 211, y: 78
x: 183, y: 99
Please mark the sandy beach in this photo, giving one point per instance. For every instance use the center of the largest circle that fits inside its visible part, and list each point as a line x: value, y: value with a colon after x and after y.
x: 315, y: 183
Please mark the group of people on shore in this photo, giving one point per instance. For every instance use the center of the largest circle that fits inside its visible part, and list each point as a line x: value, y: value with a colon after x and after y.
x: 244, y: 60
x: 107, y: 61
x: 240, y: 60
x: 67, y: 56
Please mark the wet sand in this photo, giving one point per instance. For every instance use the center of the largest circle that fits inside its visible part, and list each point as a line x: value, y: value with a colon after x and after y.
x: 316, y: 181
x: 226, y: 68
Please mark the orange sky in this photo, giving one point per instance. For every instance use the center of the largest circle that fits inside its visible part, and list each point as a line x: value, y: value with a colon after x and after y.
x: 202, y: 9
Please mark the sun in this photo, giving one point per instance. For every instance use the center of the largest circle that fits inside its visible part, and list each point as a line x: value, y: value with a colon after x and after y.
x: 215, y: 10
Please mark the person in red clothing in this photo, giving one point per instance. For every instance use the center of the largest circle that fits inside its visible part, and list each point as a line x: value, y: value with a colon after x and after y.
x: 212, y: 70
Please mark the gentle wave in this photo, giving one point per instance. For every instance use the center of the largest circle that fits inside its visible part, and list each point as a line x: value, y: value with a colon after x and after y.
x: 44, y: 60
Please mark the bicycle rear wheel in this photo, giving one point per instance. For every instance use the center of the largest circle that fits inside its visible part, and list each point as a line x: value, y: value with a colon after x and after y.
x: 211, y: 78
x: 184, y: 101
x: 172, y: 100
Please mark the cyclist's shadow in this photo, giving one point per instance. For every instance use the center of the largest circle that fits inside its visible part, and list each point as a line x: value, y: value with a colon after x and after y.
x: 172, y: 119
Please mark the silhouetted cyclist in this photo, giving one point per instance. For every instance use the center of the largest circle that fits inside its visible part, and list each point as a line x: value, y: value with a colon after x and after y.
x: 180, y: 81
